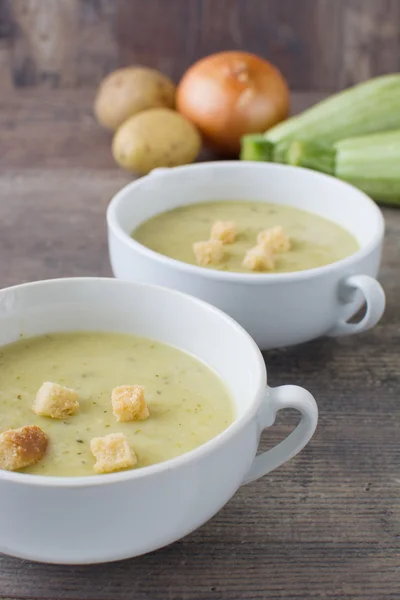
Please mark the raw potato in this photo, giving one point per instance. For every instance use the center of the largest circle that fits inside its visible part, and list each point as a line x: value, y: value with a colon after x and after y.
x: 159, y: 137
x: 126, y: 92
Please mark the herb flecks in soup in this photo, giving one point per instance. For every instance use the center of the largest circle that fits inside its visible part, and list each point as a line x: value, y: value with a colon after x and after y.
x: 188, y: 403
x: 314, y: 241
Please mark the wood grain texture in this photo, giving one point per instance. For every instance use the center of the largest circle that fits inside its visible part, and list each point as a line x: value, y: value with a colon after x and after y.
x: 61, y: 43
x: 39, y: 129
x: 326, y: 524
x: 58, y: 129
x: 6, y: 36
x: 371, y: 39
x: 44, y: 51
x: 318, y: 44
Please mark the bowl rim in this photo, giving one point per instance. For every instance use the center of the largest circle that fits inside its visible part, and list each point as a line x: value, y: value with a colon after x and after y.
x: 123, y: 194
x: 205, y: 449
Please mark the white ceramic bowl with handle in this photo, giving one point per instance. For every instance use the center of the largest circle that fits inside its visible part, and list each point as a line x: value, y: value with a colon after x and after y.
x: 109, y: 517
x: 276, y: 309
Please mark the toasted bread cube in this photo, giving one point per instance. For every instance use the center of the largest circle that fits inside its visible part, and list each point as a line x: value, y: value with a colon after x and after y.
x: 55, y: 401
x: 206, y: 253
x: 128, y: 403
x: 224, y: 231
x: 259, y: 259
x: 22, y: 447
x: 112, y: 453
x: 274, y: 239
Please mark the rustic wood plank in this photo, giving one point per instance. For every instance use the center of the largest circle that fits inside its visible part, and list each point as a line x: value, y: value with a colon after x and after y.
x: 371, y: 39
x: 44, y: 51
x: 97, y: 46
x: 39, y: 129
x: 68, y: 43
x: 283, y: 34
x: 68, y: 207
x: 274, y: 29
x: 326, y: 45
x: 6, y: 37
x: 326, y: 524
x: 62, y: 43
x: 42, y: 129
x: 173, y: 33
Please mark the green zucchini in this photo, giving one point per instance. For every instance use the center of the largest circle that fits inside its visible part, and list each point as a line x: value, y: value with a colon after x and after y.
x: 365, y: 108
x: 258, y: 149
x: 370, y: 162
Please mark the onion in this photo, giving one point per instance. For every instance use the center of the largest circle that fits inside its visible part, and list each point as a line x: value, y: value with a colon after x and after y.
x: 229, y: 94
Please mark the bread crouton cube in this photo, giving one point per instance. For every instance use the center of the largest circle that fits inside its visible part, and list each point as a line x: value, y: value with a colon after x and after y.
x: 22, y: 447
x: 55, y: 401
x: 224, y: 231
x: 129, y: 404
x: 274, y: 239
x: 209, y: 252
x: 259, y: 259
x: 112, y: 453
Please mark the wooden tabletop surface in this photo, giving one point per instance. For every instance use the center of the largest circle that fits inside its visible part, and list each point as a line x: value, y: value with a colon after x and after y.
x: 326, y: 524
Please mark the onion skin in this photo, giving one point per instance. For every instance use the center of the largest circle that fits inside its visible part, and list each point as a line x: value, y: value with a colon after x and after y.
x: 230, y: 94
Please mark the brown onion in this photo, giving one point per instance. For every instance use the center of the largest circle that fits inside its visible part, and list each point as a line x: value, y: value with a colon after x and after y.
x: 229, y: 94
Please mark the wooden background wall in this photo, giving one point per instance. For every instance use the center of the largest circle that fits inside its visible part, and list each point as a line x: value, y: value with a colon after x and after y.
x: 318, y: 44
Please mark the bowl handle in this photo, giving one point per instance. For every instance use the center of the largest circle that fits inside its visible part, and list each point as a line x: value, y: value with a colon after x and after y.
x: 374, y: 297
x: 286, y: 396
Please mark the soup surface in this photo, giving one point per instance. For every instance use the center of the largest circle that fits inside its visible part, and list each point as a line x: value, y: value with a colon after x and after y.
x: 315, y: 241
x: 189, y: 404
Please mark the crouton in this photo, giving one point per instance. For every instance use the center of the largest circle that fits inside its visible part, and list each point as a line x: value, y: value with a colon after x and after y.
x: 55, y: 401
x: 112, y: 453
x: 224, y: 231
x: 22, y: 447
x: 274, y: 239
x: 128, y: 403
x: 206, y: 253
x: 259, y: 259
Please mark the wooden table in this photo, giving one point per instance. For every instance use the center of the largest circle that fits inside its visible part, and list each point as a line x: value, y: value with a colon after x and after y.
x: 325, y: 525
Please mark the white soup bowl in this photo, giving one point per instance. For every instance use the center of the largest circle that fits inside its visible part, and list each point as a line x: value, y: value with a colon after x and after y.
x: 78, y: 520
x: 279, y: 309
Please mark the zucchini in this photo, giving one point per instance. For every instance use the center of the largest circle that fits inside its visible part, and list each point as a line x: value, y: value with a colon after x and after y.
x: 259, y: 149
x: 370, y: 162
x: 365, y: 108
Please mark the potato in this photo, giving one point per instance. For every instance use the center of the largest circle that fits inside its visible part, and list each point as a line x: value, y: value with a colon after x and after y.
x: 158, y: 137
x: 126, y: 92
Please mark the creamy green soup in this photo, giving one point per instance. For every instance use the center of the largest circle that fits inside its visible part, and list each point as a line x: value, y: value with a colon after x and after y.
x: 315, y: 241
x: 189, y: 404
